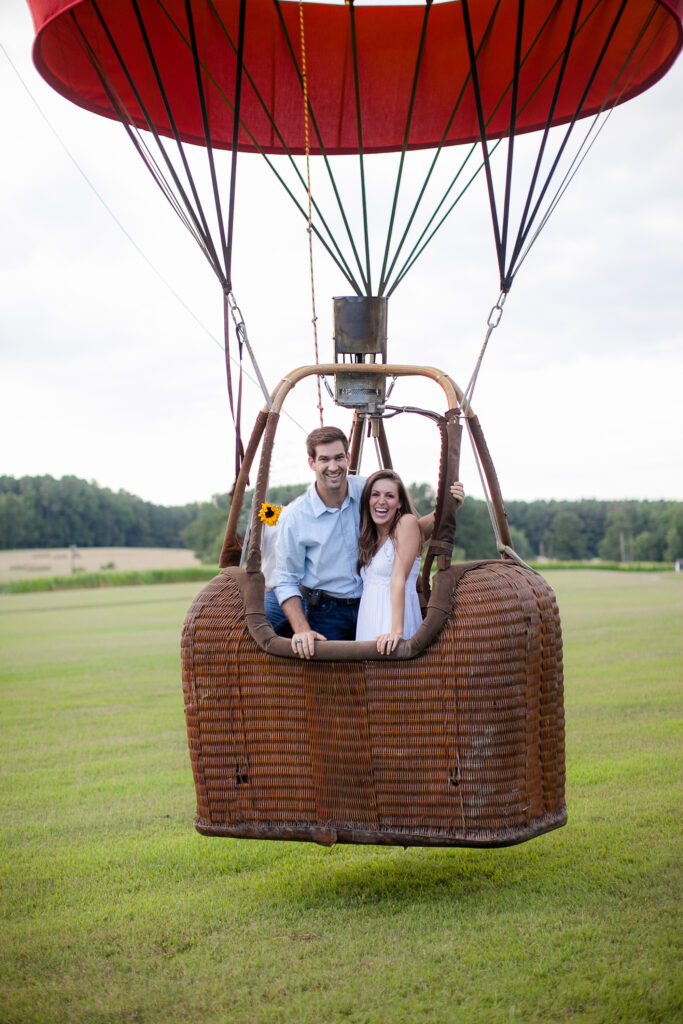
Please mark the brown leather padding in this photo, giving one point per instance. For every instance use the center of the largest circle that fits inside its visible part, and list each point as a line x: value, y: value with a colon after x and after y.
x: 251, y: 587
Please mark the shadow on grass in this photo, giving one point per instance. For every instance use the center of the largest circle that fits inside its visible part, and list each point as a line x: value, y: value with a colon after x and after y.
x: 346, y: 876
x: 597, y: 857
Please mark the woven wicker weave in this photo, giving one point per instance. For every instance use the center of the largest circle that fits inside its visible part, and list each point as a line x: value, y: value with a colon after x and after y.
x: 459, y: 744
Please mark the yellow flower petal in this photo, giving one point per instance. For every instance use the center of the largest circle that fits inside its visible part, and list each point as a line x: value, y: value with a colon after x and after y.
x: 269, y: 514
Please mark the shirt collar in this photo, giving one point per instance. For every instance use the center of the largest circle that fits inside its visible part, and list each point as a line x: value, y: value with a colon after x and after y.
x: 318, y: 505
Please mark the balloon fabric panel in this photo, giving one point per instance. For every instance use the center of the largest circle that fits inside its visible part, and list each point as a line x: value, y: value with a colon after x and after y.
x: 75, y: 53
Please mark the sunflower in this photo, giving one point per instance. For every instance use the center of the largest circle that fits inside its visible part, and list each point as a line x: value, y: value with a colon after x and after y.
x: 270, y: 514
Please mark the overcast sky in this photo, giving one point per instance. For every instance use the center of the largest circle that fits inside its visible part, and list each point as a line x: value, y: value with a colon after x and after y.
x: 111, y: 362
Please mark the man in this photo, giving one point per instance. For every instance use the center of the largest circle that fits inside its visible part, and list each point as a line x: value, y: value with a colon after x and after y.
x: 316, y: 582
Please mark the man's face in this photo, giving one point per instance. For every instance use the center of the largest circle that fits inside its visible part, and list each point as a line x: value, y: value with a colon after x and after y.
x: 331, y: 466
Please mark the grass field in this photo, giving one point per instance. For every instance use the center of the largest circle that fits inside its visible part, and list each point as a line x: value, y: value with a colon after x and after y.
x: 115, y: 910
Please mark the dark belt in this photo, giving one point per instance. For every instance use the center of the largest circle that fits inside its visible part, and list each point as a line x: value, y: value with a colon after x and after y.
x: 314, y: 597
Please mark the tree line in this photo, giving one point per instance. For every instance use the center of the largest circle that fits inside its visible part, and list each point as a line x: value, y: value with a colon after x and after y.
x: 623, y: 531
x: 44, y: 512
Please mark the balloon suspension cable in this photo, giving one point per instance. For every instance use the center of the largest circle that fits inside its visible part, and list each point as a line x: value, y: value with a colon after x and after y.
x: 494, y: 319
x: 314, y: 320
x: 485, y: 487
x: 243, y: 339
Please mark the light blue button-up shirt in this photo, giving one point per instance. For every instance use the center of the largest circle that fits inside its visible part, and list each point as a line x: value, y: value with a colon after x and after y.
x: 318, y: 546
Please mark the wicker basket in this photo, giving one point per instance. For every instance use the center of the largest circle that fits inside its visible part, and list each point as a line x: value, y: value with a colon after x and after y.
x: 457, y: 742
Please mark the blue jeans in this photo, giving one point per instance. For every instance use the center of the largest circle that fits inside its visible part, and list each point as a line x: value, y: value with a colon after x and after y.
x: 275, y: 615
x: 334, y: 620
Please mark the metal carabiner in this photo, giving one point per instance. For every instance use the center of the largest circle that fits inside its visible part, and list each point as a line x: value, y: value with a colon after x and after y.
x: 496, y: 311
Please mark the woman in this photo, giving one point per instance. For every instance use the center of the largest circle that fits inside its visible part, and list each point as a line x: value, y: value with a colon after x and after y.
x: 390, y: 543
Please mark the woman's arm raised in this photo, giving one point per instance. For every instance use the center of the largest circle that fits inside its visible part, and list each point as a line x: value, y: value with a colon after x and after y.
x: 427, y: 522
x: 408, y: 541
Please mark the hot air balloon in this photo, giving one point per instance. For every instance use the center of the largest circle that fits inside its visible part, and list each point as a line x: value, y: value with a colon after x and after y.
x: 458, y: 738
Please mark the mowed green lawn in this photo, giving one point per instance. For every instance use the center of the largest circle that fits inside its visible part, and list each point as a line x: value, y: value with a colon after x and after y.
x: 115, y: 910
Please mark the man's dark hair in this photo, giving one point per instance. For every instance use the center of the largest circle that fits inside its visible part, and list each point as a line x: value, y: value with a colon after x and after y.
x: 325, y: 435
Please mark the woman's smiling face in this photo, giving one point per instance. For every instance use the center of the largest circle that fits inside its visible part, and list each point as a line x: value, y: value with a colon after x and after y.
x: 384, y: 502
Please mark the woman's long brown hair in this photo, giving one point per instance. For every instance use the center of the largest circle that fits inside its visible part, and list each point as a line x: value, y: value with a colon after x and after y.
x: 367, y: 541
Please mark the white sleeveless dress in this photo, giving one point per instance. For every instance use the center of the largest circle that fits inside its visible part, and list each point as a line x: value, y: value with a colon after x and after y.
x: 374, y: 612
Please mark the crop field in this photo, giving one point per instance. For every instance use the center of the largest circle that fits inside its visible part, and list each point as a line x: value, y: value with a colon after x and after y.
x: 38, y: 562
x: 115, y: 910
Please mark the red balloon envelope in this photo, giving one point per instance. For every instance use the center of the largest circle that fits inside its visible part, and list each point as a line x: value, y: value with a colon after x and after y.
x: 402, y: 72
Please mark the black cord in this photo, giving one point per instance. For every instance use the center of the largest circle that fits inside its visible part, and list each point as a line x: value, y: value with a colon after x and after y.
x: 235, y: 141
